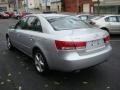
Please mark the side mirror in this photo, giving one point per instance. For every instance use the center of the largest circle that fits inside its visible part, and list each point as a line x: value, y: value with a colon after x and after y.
x: 12, y: 27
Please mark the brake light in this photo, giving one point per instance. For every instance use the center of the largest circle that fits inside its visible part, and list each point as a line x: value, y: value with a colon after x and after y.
x: 65, y: 45
x: 107, y: 39
x: 80, y: 45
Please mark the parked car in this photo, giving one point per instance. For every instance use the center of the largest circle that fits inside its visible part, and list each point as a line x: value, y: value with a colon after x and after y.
x: 24, y: 13
x: 17, y: 15
x: 9, y: 13
x: 49, y: 12
x: 59, y: 42
x: 3, y: 15
x: 110, y: 23
x: 85, y: 17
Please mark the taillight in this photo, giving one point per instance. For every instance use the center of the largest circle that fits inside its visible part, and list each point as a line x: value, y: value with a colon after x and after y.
x: 65, y: 45
x: 107, y: 39
x: 80, y: 45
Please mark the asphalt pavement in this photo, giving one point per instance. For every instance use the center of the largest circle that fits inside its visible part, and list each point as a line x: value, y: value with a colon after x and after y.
x: 17, y: 71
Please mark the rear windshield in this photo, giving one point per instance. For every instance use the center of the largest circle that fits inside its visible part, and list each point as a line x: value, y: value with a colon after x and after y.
x: 67, y: 23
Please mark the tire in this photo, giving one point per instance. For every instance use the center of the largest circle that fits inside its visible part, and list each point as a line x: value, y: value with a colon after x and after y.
x: 105, y: 30
x: 40, y: 62
x: 18, y: 17
x: 9, y: 44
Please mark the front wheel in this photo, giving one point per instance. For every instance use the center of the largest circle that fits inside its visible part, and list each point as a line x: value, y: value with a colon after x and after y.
x: 40, y: 62
x: 18, y: 17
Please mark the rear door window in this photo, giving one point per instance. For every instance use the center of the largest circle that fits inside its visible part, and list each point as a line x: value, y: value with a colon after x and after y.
x: 118, y: 18
x: 30, y: 22
x: 34, y: 24
x: 37, y: 25
x: 111, y: 19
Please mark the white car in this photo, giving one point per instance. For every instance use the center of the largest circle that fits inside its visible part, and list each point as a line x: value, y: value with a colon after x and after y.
x: 85, y: 17
x: 110, y: 23
x: 17, y: 15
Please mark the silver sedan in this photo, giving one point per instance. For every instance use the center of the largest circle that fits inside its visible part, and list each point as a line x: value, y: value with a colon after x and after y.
x: 59, y: 42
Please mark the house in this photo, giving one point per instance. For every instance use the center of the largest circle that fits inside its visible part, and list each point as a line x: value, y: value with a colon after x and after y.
x: 4, y: 5
x: 46, y: 5
x: 108, y: 7
x: 56, y: 5
x: 78, y: 6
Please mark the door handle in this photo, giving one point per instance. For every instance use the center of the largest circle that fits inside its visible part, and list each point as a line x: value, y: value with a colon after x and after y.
x: 31, y: 39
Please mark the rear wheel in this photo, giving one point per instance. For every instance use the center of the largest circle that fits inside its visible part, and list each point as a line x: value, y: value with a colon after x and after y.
x: 40, y: 62
x: 105, y: 29
x: 18, y: 17
x: 9, y: 44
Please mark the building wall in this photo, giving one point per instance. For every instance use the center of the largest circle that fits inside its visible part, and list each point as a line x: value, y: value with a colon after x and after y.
x: 78, y: 6
x: 56, y: 6
x: 45, y: 5
x: 108, y: 7
x: 32, y: 3
x: 3, y: 1
x: 4, y: 5
x: 70, y: 5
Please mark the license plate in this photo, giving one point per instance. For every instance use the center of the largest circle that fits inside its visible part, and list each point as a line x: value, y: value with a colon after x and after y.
x: 95, y: 44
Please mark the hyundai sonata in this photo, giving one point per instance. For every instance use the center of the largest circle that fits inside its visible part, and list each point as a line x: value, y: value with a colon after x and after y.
x: 59, y: 42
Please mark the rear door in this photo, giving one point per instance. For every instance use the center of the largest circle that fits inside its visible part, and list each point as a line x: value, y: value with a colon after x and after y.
x: 119, y: 23
x: 113, y: 24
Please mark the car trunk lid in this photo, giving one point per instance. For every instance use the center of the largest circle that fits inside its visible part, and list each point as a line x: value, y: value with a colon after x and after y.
x: 94, y: 39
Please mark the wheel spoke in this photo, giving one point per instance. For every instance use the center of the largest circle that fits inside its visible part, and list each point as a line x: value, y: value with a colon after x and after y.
x: 8, y: 43
x: 39, y: 62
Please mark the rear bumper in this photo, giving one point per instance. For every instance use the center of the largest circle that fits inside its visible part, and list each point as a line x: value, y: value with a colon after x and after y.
x: 75, y: 62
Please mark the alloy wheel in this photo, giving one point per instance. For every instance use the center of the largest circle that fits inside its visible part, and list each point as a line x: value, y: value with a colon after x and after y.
x: 39, y: 62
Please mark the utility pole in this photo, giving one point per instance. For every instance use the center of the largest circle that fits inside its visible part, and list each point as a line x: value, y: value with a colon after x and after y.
x: 77, y: 3
x: 98, y: 9
x: 26, y: 5
x: 46, y: 4
x: 17, y: 5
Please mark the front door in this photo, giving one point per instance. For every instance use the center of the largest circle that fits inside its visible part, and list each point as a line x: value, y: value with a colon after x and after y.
x: 29, y: 33
x: 19, y: 28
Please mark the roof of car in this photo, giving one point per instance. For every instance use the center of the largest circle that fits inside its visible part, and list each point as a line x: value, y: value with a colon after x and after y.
x: 85, y: 14
x: 110, y: 15
x: 50, y: 15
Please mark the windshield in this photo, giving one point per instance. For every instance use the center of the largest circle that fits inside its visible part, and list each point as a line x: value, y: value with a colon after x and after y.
x: 67, y: 23
x: 97, y: 17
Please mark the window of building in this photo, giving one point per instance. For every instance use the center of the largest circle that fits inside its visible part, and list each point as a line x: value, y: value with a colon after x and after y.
x: 2, y: 0
x: 119, y: 18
